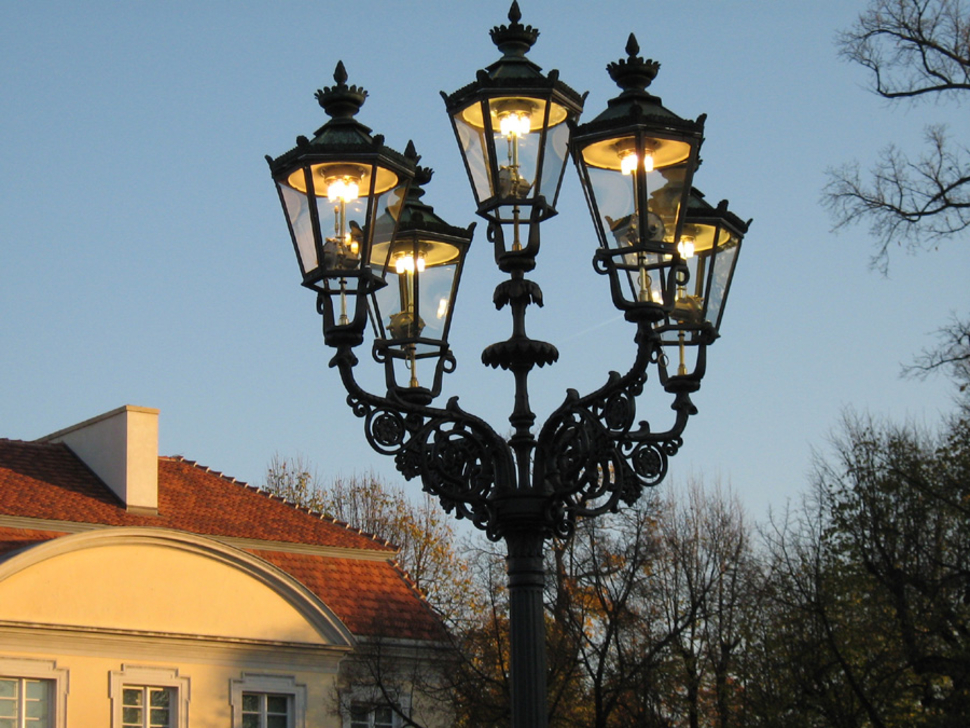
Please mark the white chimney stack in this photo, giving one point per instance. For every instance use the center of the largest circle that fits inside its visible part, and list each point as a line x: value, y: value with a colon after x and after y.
x: 121, y: 448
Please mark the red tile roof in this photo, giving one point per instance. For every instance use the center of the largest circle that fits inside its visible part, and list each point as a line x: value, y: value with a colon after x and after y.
x: 372, y: 597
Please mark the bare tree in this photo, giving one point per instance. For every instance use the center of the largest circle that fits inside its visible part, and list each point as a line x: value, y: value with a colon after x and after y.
x: 951, y: 355
x: 915, y: 50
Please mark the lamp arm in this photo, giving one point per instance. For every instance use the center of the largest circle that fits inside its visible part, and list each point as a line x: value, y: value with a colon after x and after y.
x: 592, y: 454
x: 462, y: 461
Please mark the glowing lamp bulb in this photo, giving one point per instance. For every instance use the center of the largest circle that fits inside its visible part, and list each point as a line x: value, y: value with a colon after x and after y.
x: 405, y: 264
x: 344, y: 189
x: 686, y: 247
x: 628, y: 163
x: 515, y: 124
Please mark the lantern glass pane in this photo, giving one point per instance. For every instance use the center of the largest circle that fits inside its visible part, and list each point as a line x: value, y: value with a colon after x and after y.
x: 476, y: 154
x: 646, y: 273
x: 415, y: 304
x: 665, y: 193
x: 298, y: 213
x: 553, y: 162
x: 342, y: 229
x: 517, y: 132
x: 618, y: 167
x: 723, y: 270
x: 435, y: 299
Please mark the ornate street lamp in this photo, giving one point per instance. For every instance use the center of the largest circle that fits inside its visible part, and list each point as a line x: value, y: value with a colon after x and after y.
x: 339, y: 191
x: 512, y: 129
x: 668, y: 254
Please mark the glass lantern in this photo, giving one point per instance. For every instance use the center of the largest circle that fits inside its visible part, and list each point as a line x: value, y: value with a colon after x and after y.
x: 635, y: 162
x: 708, y: 247
x: 421, y: 267
x: 512, y: 129
x: 333, y: 189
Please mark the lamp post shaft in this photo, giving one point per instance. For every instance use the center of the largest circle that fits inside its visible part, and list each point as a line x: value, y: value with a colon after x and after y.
x: 526, y: 579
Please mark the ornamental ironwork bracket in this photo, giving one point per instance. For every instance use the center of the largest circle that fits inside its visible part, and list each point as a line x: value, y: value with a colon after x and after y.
x: 591, y: 455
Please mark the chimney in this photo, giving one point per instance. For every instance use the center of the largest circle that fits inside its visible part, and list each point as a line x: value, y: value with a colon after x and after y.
x: 121, y: 448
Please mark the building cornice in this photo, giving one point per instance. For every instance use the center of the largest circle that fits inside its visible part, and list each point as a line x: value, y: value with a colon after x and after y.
x: 138, y: 644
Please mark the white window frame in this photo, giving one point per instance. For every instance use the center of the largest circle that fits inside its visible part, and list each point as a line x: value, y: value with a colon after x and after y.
x: 33, y: 669
x: 270, y: 685
x: 154, y: 677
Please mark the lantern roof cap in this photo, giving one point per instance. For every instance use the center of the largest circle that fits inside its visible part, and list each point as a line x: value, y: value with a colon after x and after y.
x: 343, y: 133
x: 419, y: 216
x: 514, y: 39
x: 513, y: 72
x: 635, y: 105
x: 634, y: 72
x: 698, y: 208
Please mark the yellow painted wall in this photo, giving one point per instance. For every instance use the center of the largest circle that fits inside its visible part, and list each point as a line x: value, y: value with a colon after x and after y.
x: 151, y: 588
x: 213, y: 614
x: 88, y: 704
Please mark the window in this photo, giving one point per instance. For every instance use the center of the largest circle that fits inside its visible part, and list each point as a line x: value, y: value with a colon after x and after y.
x: 363, y: 715
x: 267, y: 701
x: 25, y: 703
x: 146, y: 707
x: 33, y: 693
x: 148, y: 697
x: 262, y: 710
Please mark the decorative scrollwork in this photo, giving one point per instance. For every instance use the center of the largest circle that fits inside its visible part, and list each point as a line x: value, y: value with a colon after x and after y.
x: 594, y: 455
x: 650, y: 463
x: 385, y: 431
x: 457, y: 463
x: 458, y: 457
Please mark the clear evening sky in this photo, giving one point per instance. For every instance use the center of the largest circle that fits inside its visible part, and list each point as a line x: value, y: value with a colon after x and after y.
x: 144, y: 258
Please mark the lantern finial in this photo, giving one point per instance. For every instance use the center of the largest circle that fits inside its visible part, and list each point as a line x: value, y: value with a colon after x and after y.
x: 514, y: 39
x: 633, y: 73
x: 341, y: 100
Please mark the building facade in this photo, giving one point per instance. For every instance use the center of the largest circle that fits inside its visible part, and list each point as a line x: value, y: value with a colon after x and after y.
x: 139, y: 591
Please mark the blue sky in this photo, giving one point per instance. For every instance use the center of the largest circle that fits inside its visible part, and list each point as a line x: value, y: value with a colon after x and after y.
x: 144, y: 258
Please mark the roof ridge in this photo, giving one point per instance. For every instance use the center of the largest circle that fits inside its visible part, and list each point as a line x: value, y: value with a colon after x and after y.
x: 275, y: 496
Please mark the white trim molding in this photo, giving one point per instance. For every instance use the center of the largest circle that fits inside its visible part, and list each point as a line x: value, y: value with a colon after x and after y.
x: 275, y: 684
x: 34, y: 669
x: 156, y: 677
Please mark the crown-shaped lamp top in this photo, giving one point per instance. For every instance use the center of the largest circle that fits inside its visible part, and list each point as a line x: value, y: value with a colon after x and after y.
x: 341, y: 101
x: 634, y: 73
x: 514, y: 39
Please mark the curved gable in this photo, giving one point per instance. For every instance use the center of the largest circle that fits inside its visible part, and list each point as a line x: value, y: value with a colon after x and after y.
x: 162, y: 581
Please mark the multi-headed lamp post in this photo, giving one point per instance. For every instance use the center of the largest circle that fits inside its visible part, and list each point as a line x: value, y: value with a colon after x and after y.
x: 372, y: 250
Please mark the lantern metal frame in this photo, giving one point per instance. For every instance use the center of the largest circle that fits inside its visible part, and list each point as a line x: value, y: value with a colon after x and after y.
x: 515, y: 89
x: 334, y: 264
x: 595, y: 452
x: 422, y: 239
